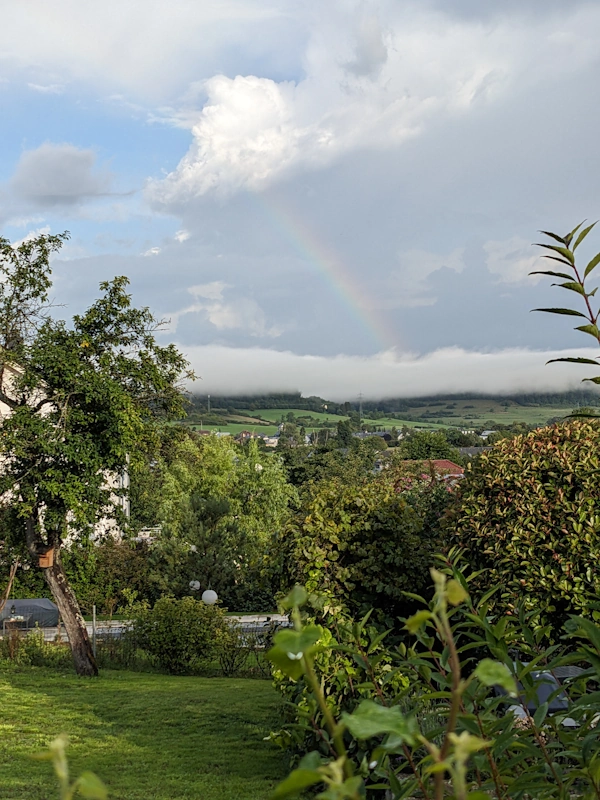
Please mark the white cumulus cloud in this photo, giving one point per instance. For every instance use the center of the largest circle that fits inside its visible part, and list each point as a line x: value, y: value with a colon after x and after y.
x: 363, y: 88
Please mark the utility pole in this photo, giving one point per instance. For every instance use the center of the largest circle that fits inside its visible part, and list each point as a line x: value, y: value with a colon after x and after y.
x: 360, y: 398
x: 209, y: 404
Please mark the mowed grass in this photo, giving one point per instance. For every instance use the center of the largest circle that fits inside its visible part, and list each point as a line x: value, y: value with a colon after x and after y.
x: 149, y: 737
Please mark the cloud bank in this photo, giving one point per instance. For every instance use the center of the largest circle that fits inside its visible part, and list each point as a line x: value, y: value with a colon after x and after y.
x: 452, y: 370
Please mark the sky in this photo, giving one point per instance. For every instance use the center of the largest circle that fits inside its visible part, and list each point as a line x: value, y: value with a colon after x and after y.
x: 331, y: 197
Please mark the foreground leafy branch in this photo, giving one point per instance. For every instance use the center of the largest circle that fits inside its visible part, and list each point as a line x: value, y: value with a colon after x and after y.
x: 471, y: 722
x: 86, y: 785
x: 575, y: 280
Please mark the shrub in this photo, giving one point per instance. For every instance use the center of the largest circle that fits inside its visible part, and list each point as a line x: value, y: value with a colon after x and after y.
x: 32, y: 650
x: 179, y: 634
x: 352, y: 664
x: 455, y: 733
x: 528, y: 513
x: 362, y: 544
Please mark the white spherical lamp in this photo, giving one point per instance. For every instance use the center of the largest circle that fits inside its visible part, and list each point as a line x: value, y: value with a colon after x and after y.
x: 209, y: 597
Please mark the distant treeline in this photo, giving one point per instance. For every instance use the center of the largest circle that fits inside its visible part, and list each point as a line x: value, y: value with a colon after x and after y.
x: 571, y: 399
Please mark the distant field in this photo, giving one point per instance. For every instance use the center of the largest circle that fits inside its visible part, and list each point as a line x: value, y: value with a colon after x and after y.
x: 275, y: 414
x: 472, y: 413
x: 391, y: 422
x: 465, y: 414
x: 235, y: 427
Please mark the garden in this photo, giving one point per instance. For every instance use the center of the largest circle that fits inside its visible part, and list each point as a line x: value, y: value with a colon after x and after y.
x: 439, y: 636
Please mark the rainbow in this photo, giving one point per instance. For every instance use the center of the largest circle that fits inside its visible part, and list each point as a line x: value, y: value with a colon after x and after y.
x: 327, y: 263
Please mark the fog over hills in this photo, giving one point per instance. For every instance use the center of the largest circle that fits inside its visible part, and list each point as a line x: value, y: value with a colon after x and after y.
x: 451, y: 370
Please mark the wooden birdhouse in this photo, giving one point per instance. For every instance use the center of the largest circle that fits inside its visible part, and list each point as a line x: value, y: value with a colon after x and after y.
x: 46, y: 559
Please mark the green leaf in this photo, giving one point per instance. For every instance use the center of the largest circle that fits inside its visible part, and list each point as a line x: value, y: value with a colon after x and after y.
x: 90, y: 785
x: 554, y: 236
x: 455, y: 593
x: 575, y: 361
x: 592, y: 265
x: 296, y: 782
x: 559, y: 260
x: 552, y: 274
x: 295, y: 599
x: 582, y: 235
x: 298, y: 642
x: 563, y: 251
x: 291, y: 667
x: 572, y: 286
x: 592, y: 380
x: 591, y: 329
x: 371, y: 719
x: 569, y: 236
x: 493, y: 673
x: 417, y: 620
x: 567, y: 311
x: 540, y: 714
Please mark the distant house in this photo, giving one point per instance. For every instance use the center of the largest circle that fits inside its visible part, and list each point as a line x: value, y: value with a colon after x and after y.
x: 245, y: 436
x: 386, y: 435
x: 473, y: 452
x: 446, y: 468
x: 485, y: 434
x: 270, y: 441
x: 441, y: 469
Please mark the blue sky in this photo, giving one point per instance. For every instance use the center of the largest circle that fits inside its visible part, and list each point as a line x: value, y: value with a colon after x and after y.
x: 326, y: 197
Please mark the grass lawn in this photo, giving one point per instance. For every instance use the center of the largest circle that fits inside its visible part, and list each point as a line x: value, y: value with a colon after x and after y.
x: 149, y: 737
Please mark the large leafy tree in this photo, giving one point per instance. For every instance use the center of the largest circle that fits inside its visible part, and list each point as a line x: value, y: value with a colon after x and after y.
x: 421, y: 445
x: 76, y: 398
x: 219, y: 507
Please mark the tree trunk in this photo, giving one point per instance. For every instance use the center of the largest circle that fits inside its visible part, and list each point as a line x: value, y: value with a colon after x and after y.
x: 64, y: 597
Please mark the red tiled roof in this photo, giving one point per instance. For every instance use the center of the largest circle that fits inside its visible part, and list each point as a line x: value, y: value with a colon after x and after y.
x: 444, y: 465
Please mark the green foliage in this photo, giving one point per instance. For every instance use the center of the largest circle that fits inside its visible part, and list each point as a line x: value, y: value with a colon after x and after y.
x: 79, y: 401
x: 360, y: 544
x: 86, y: 785
x: 179, y: 634
x: 32, y: 650
x: 574, y: 280
x: 105, y: 573
x: 451, y: 732
x: 328, y: 460
x: 528, y: 513
x: 422, y: 445
x: 351, y: 662
x: 219, y: 506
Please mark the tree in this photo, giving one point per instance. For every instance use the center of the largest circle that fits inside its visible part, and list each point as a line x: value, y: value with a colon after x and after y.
x: 78, y: 397
x: 219, y: 505
x: 345, y: 428
x: 421, y: 445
